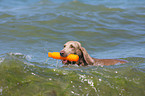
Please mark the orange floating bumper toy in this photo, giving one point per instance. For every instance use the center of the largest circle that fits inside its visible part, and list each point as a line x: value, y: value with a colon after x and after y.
x: 70, y: 57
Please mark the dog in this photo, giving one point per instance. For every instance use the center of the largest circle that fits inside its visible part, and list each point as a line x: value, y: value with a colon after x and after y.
x: 74, y: 47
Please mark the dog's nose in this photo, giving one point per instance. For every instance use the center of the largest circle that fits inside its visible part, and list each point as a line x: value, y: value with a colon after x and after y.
x: 62, y: 53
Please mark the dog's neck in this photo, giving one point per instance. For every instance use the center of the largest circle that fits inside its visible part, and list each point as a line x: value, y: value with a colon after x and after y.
x: 81, y: 61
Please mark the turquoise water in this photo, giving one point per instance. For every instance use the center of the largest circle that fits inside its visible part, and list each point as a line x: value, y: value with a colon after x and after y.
x: 106, y: 28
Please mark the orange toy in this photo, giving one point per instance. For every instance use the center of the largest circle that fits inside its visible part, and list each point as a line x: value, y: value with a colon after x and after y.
x: 70, y: 57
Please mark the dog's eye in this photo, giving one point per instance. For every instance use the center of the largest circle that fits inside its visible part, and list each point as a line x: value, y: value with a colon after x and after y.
x: 71, y: 46
x: 64, y: 46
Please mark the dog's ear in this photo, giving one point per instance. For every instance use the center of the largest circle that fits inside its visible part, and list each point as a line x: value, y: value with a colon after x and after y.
x: 87, y: 57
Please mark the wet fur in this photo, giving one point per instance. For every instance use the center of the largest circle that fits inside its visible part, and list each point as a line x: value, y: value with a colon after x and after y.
x: 74, y: 47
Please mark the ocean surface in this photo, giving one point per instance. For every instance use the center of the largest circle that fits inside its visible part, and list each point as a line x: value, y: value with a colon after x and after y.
x: 29, y: 29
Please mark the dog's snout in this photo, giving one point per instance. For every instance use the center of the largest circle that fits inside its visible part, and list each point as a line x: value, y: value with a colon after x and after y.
x: 62, y: 53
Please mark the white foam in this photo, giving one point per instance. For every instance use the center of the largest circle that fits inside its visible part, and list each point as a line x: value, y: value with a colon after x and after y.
x: 1, y: 90
x: 28, y: 57
x: 15, y: 53
x: 1, y: 60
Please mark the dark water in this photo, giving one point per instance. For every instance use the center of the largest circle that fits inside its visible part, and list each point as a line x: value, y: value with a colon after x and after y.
x: 106, y: 28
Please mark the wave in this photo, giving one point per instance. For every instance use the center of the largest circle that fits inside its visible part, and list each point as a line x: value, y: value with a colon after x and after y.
x: 19, y: 58
x: 19, y: 74
x: 106, y: 29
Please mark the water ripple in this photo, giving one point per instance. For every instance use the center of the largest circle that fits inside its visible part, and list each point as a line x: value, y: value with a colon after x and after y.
x: 107, y: 29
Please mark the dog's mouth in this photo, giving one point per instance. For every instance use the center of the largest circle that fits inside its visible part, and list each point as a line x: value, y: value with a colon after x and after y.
x: 65, y: 61
x: 68, y: 62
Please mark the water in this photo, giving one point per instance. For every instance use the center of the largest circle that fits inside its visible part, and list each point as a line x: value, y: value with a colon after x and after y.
x: 106, y: 28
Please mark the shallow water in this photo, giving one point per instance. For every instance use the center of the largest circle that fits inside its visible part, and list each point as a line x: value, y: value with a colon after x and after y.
x: 107, y: 29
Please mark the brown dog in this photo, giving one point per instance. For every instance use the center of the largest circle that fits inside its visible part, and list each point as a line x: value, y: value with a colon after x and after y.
x: 74, y: 47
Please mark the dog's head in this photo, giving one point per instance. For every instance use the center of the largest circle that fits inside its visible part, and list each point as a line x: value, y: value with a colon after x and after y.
x: 74, y: 47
